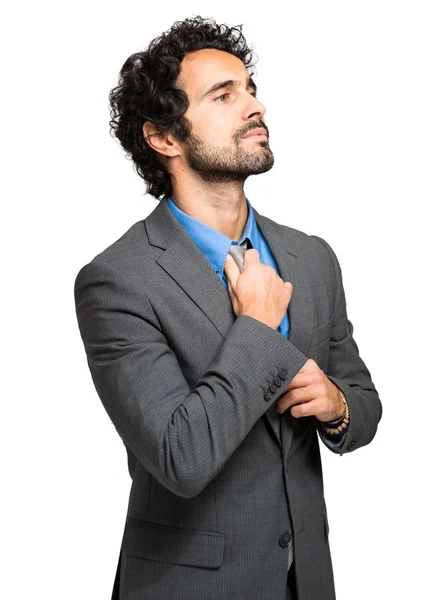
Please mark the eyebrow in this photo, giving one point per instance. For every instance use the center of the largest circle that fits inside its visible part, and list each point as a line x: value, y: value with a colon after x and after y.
x: 229, y: 83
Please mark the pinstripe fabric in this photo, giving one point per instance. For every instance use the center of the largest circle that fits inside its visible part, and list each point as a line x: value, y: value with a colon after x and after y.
x: 213, y: 244
x: 217, y: 474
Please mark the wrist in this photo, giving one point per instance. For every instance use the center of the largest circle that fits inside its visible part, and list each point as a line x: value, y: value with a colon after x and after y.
x: 337, y: 426
x: 340, y: 410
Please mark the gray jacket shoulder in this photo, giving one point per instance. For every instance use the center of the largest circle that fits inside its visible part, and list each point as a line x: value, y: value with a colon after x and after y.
x: 126, y: 254
x: 310, y: 247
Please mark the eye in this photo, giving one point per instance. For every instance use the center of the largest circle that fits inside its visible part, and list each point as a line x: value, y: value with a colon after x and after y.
x: 222, y: 96
x: 254, y: 94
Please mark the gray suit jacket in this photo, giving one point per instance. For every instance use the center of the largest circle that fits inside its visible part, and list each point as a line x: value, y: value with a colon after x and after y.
x: 217, y: 475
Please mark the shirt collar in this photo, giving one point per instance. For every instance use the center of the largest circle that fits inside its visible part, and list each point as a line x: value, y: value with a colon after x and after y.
x: 212, y: 243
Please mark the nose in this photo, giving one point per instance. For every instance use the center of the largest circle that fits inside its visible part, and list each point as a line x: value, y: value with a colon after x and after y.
x: 254, y: 108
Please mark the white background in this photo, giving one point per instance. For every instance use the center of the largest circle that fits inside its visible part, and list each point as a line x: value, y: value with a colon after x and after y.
x: 355, y: 103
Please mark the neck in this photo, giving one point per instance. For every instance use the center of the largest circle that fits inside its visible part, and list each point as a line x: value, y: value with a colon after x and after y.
x: 222, y: 206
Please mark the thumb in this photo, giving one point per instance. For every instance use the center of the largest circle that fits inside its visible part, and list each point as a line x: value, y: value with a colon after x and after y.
x: 231, y: 270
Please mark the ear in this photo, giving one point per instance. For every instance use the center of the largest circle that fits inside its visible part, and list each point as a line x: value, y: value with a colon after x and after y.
x: 160, y: 141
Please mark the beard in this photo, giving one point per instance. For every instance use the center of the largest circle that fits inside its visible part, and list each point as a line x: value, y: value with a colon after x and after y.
x: 225, y: 164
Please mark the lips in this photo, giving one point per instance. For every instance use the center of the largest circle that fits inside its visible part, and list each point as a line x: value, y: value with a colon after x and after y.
x: 257, y: 133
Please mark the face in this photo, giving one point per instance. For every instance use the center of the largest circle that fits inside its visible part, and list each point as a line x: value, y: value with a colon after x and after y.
x: 220, y: 117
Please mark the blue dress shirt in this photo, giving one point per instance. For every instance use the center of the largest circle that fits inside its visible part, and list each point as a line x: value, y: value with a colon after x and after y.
x: 215, y: 247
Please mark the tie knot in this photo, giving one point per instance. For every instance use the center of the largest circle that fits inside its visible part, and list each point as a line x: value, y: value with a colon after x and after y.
x: 237, y: 251
x: 246, y: 244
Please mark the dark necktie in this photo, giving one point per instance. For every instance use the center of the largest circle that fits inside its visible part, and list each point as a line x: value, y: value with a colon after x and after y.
x: 237, y: 252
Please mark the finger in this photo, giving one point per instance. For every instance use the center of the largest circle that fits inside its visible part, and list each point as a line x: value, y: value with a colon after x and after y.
x: 310, y: 366
x: 305, y: 409
x: 302, y: 379
x: 288, y: 287
x: 296, y: 396
x: 251, y: 255
x: 231, y: 270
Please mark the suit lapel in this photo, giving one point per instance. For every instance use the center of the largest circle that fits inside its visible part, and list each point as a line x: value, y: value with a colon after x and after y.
x: 188, y: 266
x: 191, y: 270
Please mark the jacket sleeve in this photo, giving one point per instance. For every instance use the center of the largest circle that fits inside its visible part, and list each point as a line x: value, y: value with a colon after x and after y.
x: 182, y: 436
x: 347, y: 370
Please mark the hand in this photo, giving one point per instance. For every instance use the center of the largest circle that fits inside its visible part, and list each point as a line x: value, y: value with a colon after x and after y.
x: 312, y: 393
x: 257, y: 290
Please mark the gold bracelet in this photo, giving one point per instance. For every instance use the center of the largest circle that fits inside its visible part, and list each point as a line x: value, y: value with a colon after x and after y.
x: 345, y: 421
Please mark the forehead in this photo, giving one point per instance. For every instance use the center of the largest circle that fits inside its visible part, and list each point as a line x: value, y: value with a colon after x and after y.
x: 201, y: 69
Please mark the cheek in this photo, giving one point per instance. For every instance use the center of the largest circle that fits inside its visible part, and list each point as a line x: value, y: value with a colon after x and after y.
x: 216, y: 127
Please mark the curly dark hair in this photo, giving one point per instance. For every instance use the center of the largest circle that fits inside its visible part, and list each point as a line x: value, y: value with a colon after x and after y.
x: 147, y: 91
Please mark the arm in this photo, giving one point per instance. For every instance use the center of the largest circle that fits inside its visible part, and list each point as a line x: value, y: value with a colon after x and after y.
x: 347, y: 371
x: 183, y: 437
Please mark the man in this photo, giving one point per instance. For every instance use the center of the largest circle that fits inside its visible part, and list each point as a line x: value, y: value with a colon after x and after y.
x: 218, y: 380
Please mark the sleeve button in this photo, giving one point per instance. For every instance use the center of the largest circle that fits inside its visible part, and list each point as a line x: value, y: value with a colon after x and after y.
x: 283, y: 373
x: 285, y: 540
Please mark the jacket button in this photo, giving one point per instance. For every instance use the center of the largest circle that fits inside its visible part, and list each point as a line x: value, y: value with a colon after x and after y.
x: 285, y: 540
x: 283, y: 373
x: 268, y: 395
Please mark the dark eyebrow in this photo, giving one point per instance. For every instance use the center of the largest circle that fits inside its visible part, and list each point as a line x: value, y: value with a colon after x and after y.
x: 229, y: 83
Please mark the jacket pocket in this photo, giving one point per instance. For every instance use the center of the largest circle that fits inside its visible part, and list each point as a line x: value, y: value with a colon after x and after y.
x: 173, y: 545
x: 321, y: 333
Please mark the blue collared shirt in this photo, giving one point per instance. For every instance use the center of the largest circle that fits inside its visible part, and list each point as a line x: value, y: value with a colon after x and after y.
x: 215, y: 247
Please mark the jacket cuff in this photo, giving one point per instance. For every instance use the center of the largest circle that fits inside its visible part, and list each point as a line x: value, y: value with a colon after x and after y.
x: 356, y: 428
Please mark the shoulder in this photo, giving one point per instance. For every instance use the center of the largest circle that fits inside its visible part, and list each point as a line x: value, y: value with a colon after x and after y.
x: 308, y: 246
x: 127, y: 248
x: 125, y: 259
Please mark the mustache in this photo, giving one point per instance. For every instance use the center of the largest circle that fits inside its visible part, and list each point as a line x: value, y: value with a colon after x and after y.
x: 252, y: 125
